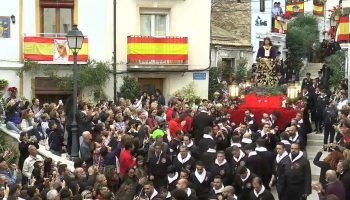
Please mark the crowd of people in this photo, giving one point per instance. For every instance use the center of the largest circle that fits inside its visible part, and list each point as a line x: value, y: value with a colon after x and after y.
x: 142, y: 149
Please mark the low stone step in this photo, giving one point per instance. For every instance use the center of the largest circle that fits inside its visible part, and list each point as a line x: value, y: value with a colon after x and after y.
x: 313, y: 136
x: 318, y: 143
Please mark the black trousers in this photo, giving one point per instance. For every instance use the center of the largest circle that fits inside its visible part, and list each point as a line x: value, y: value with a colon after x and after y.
x: 328, y: 132
x: 318, y: 121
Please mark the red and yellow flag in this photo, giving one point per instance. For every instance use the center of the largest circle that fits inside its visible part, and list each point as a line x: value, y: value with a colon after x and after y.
x: 318, y: 9
x: 343, y: 29
x: 295, y: 5
x: 154, y: 48
x: 280, y: 26
x: 52, y: 49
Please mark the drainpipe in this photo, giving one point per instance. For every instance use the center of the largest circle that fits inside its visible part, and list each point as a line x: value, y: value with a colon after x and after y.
x: 115, y: 51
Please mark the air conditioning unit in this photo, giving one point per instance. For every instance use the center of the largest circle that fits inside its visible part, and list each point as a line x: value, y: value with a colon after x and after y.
x: 346, y: 7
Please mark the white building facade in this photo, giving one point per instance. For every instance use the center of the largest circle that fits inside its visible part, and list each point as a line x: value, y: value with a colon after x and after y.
x: 147, y: 18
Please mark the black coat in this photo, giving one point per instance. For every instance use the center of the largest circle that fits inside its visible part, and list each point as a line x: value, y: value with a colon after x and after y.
x: 267, y: 158
x: 243, y: 188
x: 158, y: 165
x: 206, y: 143
x: 324, y: 167
x: 189, y: 165
x: 202, y: 189
x: 224, y: 171
x: 200, y: 121
x: 345, y: 179
x: 56, y: 139
x: 280, y: 173
x: 256, y: 164
x: 266, y: 195
x: 298, y: 178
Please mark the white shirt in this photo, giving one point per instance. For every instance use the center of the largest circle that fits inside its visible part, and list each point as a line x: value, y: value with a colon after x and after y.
x: 28, y: 165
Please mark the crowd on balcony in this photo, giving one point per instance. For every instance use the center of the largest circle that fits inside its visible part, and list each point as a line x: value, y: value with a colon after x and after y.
x: 143, y: 149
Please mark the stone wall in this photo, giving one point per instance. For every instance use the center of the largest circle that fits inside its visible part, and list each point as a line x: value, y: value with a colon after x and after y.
x: 233, y: 17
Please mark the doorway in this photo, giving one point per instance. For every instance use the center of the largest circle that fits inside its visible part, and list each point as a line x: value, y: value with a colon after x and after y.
x: 150, y: 85
x: 47, y: 91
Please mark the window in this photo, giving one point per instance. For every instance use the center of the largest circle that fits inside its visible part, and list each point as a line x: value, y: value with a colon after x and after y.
x: 154, y: 24
x: 56, y: 16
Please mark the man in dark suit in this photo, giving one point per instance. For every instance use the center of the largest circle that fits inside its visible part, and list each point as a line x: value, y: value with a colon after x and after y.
x: 201, y: 120
x: 307, y: 82
x: 319, y: 80
x: 243, y: 182
x: 267, y: 158
x: 321, y: 104
x: 298, y: 175
x: 150, y: 192
x: 201, y: 179
x: 280, y: 164
x: 207, y: 140
x: 184, y: 160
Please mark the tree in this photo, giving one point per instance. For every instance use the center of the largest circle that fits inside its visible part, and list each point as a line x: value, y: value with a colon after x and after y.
x: 214, y: 81
x: 302, y: 33
x: 241, y: 72
x: 336, y: 62
x: 130, y: 89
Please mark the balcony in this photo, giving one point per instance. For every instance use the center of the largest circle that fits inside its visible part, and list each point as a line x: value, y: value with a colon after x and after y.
x: 52, y: 49
x: 147, y: 53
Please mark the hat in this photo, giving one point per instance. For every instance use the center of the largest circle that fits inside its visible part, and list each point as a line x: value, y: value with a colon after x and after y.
x: 156, y: 133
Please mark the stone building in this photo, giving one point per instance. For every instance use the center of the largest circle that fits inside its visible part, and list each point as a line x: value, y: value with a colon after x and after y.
x: 230, y: 32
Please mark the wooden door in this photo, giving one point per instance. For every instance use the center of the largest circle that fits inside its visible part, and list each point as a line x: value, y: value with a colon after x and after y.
x: 151, y: 84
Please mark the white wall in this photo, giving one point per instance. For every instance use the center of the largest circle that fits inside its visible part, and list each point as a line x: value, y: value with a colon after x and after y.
x: 9, y: 50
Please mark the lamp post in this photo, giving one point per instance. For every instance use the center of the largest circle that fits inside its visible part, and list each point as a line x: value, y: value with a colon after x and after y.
x: 75, y: 42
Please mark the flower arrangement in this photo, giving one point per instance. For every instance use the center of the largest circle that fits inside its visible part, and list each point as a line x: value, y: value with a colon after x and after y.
x: 3, y: 83
x: 335, y: 12
x: 12, y: 89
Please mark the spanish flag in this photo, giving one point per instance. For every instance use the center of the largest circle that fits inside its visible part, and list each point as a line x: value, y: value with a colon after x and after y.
x: 280, y: 26
x: 52, y: 49
x: 295, y: 5
x: 318, y: 9
x: 154, y: 48
x: 343, y: 29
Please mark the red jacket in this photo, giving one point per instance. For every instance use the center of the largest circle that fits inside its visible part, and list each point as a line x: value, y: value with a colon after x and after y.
x: 126, y: 160
x: 174, y: 125
x: 188, y: 126
x: 169, y: 114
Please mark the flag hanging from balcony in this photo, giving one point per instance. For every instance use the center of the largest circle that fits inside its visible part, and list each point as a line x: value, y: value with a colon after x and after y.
x: 154, y: 48
x: 343, y: 29
x: 318, y: 9
x: 295, y: 7
x: 52, y: 49
x: 280, y: 25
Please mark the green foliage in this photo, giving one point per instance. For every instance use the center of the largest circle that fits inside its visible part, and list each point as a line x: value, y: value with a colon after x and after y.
x: 188, y: 92
x: 130, y: 89
x: 302, y: 33
x: 5, y: 145
x: 241, y: 72
x: 265, y: 90
x: 3, y: 83
x: 336, y: 62
x: 93, y: 74
x: 226, y: 70
x: 214, y: 81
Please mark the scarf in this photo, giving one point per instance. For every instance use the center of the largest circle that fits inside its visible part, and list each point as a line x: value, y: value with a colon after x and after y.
x: 252, y: 153
x: 260, y: 149
x: 153, y: 194
x: 220, y: 164
x: 295, y: 137
x: 236, y: 144
x: 218, y: 191
x: 188, y: 192
x: 280, y: 157
x: 201, y: 176
x: 296, y: 158
x: 207, y: 136
x: 260, y: 192
x: 190, y: 144
x: 183, y: 160
x: 210, y: 150
x: 241, y: 155
x: 248, y: 174
x: 172, y: 179
x: 285, y: 142
x: 247, y: 140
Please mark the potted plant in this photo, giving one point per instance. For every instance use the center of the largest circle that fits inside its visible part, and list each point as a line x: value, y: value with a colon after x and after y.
x: 335, y: 13
x: 3, y: 84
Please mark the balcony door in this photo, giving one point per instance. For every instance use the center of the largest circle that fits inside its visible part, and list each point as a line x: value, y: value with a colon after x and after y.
x: 151, y: 84
x: 56, y: 16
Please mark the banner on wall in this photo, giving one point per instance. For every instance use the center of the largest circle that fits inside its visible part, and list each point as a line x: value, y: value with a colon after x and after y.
x: 343, y: 29
x: 295, y: 7
x: 52, y: 49
x: 280, y: 26
x: 318, y: 9
x: 154, y: 48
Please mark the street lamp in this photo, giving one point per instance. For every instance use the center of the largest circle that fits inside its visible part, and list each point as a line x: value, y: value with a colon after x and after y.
x: 234, y: 91
x: 75, y: 42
